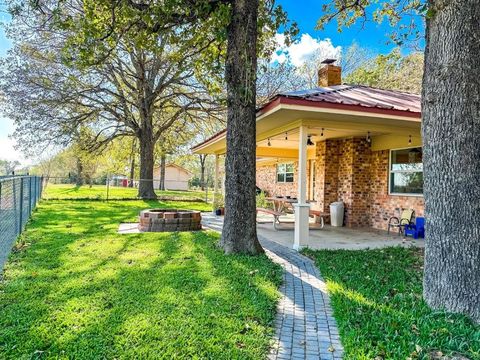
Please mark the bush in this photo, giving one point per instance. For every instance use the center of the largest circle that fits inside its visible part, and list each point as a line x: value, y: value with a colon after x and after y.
x: 262, y: 201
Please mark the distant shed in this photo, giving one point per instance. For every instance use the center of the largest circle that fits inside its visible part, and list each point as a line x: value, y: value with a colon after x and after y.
x: 176, y: 177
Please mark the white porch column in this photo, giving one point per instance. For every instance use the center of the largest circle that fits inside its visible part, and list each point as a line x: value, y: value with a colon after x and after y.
x: 302, y: 207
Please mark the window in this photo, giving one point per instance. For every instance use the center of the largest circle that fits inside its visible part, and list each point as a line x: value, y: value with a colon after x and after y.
x: 285, y: 173
x: 406, y: 171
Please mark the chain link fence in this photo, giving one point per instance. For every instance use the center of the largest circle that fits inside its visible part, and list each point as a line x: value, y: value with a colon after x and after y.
x: 18, y: 197
x: 120, y: 188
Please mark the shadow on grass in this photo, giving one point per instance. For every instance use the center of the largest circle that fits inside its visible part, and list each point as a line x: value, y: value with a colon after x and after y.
x: 377, y: 301
x: 77, y: 289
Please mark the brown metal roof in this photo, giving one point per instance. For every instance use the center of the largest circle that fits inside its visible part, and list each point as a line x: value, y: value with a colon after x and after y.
x: 359, y: 95
x: 348, y: 97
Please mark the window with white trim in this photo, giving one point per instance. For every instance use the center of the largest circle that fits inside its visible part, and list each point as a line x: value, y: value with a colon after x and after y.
x: 406, y: 171
x: 285, y: 173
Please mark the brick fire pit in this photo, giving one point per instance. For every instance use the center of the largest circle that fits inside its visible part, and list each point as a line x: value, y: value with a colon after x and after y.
x: 157, y: 220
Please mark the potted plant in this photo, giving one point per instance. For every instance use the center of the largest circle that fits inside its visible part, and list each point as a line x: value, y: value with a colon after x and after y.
x: 218, y: 204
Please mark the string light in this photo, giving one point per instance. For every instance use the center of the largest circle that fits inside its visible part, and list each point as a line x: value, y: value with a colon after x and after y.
x: 409, y: 139
x: 286, y: 136
x: 269, y: 143
x: 368, y: 137
x: 322, y: 132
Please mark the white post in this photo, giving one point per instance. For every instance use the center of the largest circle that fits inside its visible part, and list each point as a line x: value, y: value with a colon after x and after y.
x: 215, y: 183
x: 302, y: 207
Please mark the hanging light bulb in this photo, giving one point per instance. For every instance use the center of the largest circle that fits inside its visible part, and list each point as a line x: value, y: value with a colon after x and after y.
x: 286, y: 135
x: 269, y: 143
x: 309, y: 140
x: 368, y: 137
x: 409, y: 139
x: 322, y: 132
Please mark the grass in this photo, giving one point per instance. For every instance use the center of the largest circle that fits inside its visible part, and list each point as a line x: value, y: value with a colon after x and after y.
x: 99, y: 192
x: 74, y: 288
x: 377, y: 300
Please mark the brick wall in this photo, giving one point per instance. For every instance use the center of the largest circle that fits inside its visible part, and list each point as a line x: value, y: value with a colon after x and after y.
x: 384, y: 205
x: 347, y: 170
x: 361, y: 183
x: 267, y: 180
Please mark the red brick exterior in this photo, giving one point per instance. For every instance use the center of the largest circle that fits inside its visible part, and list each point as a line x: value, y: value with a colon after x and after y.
x: 267, y: 180
x: 385, y: 205
x: 347, y: 170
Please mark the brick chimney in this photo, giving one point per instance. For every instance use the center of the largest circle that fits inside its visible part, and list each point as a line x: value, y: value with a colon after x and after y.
x: 329, y: 74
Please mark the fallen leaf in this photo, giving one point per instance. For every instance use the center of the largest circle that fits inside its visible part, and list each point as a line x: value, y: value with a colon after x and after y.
x: 434, y: 355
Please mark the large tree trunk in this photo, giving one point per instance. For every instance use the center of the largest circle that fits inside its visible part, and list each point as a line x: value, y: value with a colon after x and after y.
x: 239, y: 231
x: 132, y: 173
x: 203, y: 157
x: 451, y: 138
x: 132, y: 165
x: 145, y: 186
x: 162, y: 172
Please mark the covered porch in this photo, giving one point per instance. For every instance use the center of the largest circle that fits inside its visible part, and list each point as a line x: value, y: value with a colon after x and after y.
x: 337, y: 152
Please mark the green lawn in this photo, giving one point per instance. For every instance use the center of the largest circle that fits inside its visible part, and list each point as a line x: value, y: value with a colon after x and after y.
x: 377, y: 301
x: 69, y: 191
x: 74, y: 288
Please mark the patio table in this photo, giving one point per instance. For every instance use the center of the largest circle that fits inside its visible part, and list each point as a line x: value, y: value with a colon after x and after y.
x: 280, y: 203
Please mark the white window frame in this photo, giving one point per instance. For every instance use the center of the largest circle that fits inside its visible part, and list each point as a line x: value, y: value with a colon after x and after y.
x: 285, y: 173
x: 389, y: 180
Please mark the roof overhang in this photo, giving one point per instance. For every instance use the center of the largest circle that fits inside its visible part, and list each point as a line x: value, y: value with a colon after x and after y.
x: 284, y: 114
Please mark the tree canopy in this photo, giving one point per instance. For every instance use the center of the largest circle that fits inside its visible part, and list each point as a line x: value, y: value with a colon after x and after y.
x: 392, y: 71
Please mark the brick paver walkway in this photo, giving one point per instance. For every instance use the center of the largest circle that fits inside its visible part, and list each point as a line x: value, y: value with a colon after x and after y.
x: 305, y: 327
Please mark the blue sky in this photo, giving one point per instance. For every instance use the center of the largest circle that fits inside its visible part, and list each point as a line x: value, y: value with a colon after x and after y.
x: 307, y: 12
x: 304, y: 12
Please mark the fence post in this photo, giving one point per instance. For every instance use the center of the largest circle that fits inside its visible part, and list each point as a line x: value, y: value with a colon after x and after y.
x: 20, y: 224
x: 29, y: 195
x: 35, y: 193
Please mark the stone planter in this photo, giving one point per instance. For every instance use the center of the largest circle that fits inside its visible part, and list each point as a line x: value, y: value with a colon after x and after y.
x: 158, y: 220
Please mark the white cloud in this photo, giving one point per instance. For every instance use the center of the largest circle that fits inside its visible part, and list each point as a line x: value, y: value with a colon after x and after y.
x: 302, y: 50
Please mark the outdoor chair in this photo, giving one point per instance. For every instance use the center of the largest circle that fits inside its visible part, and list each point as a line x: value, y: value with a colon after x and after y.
x: 416, y: 229
x: 401, y: 222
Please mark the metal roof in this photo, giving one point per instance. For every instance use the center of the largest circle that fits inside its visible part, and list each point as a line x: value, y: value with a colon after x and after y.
x: 366, y: 97
x: 359, y: 95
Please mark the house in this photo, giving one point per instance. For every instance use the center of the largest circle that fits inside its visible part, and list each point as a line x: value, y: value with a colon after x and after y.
x: 176, y: 177
x: 350, y: 143
x: 118, y: 180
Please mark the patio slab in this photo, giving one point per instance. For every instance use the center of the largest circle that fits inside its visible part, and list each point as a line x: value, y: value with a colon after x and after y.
x: 335, y: 238
x: 332, y: 238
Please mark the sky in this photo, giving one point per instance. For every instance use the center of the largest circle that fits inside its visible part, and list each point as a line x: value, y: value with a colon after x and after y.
x: 304, y: 12
x: 307, y: 12
x: 7, y: 151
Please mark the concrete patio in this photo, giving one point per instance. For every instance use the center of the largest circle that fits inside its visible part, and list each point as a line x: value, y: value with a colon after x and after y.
x: 327, y: 238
